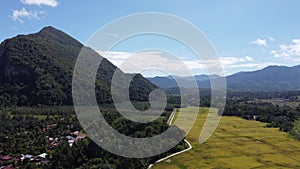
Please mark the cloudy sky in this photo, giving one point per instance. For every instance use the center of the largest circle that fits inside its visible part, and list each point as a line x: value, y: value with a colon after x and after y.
x: 248, y: 35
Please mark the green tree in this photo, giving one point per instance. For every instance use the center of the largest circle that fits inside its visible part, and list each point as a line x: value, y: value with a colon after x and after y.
x: 296, y: 129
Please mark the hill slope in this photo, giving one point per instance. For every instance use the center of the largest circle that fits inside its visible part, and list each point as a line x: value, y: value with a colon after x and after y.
x: 37, y: 69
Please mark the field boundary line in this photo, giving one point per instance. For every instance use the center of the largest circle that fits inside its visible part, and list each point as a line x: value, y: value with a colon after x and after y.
x: 174, y: 154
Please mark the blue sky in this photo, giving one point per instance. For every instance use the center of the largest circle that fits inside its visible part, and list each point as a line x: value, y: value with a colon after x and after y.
x: 248, y: 35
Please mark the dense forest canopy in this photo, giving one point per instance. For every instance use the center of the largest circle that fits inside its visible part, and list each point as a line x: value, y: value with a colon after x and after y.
x: 37, y: 69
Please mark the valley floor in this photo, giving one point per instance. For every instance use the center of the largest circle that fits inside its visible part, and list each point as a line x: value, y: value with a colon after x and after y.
x: 237, y: 143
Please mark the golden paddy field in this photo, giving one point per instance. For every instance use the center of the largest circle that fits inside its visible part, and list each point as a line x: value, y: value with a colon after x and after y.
x: 237, y: 143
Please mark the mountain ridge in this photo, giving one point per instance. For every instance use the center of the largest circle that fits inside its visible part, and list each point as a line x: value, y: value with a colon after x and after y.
x: 37, y: 69
x: 270, y: 78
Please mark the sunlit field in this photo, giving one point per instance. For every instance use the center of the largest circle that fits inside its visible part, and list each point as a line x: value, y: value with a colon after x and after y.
x: 237, y: 143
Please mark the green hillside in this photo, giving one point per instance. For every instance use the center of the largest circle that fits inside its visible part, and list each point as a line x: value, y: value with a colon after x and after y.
x: 37, y: 69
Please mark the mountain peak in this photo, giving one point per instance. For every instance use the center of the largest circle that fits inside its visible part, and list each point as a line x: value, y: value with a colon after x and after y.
x: 49, y: 29
x: 52, y: 33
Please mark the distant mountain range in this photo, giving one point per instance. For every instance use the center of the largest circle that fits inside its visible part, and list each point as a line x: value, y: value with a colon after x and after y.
x: 170, y: 82
x: 271, y: 78
x: 37, y: 69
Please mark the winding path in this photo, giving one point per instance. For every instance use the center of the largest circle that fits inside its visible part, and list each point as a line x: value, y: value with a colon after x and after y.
x: 169, y: 156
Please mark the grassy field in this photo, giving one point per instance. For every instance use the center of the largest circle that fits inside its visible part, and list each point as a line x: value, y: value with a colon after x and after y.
x: 237, y: 143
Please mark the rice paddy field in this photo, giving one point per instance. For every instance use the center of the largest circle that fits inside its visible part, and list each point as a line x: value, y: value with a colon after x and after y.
x: 236, y: 143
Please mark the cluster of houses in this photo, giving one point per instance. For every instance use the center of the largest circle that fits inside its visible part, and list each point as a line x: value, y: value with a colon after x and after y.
x: 75, y: 136
x: 42, y: 158
x: 72, y: 138
x: 39, y: 159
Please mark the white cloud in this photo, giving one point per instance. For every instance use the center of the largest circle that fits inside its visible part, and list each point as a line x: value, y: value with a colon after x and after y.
x: 132, y: 63
x: 249, y: 58
x: 288, y: 51
x: 52, y: 3
x: 18, y: 15
x: 260, y: 42
x: 155, y: 60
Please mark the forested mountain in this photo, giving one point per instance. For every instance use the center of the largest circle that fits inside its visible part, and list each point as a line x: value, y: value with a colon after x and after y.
x: 267, y: 79
x: 37, y: 69
x: 271, y: 78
